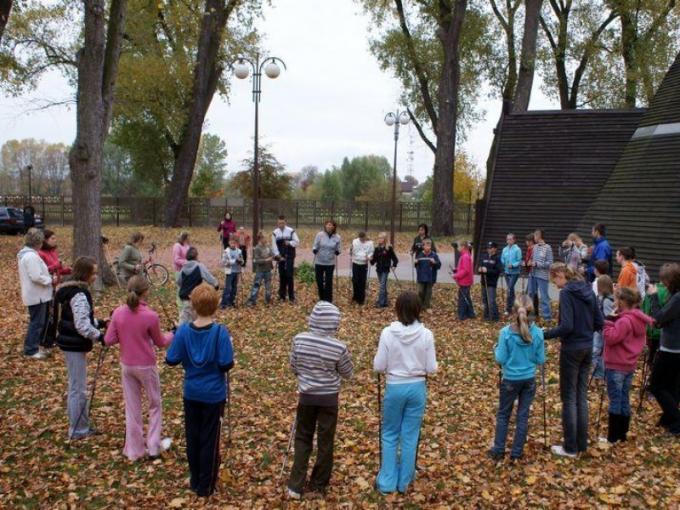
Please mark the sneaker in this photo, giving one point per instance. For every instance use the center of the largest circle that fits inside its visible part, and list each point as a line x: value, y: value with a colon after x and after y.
x: 166, y: 443
x: 37, y: 355
x: 293, y: 495
x: 494, y: 455
x: 560, y: 451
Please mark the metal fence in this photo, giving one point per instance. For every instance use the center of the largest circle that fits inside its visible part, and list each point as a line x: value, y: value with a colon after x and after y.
x: 209, y: 211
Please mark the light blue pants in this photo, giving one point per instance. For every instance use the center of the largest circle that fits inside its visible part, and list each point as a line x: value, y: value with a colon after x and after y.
x: 403, y: 409
x: 78, y: 406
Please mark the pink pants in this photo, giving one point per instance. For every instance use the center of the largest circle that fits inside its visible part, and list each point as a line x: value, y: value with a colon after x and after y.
x: 134, y: 379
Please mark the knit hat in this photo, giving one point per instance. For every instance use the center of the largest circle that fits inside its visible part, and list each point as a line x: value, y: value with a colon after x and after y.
x: 325, y: 317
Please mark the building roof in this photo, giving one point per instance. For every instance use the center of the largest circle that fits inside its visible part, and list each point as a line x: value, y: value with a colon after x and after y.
x: 549, y: 168
x: 640, y: 201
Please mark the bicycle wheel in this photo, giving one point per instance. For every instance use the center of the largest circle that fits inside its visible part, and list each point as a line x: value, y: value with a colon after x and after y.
x: 156, y: 274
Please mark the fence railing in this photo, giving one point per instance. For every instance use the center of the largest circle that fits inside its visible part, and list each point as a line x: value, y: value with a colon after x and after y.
x: 58, y: 210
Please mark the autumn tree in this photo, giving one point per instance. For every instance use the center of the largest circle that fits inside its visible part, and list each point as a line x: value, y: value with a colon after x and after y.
x: 435, y: 49
x: 5, y: 10
x: 211, y: 165
x: 49, y: 162
x: 275, y: 182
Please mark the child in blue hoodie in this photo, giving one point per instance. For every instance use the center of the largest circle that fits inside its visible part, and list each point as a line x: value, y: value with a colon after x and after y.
x: 204, y: 349
x: 427, y: 264
x: 520, y: 348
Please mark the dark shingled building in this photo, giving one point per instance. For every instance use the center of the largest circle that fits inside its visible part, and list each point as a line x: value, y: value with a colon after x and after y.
x: 564, y: 171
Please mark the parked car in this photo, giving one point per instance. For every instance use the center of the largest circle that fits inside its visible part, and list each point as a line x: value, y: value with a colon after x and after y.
x: 12, y: 221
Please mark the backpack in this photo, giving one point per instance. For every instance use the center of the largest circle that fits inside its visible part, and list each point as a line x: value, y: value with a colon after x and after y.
x: 642, y: 279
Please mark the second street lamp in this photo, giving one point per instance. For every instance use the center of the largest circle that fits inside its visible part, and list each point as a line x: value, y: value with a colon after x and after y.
x: 395, y: 119
x: 242, y: 67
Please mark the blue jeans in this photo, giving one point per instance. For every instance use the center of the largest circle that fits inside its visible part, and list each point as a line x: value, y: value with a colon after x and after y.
x: 598, y: 362
x: 618, y: 391
x: 543, y: 286
x: 509, y: 391
x: 266, y: 277
x: 230, y: 288
x: 382, y: 293
x: 37, y: 315
x: 403, y: 409
x: 511, y: 281
x: 465, y: 308
x: 574, y: 371
x: 490, y: 305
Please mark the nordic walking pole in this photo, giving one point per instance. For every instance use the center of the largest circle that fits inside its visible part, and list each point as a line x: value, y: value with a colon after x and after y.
x: 380, y: 419
x: 599, y: 412
x: 413, y: 272
x: 545, y: 408
x: 420, y: 432
x: 88, y: 404
x: 486, y: 293
x: 228, y: 408
x: 396, y: 279
x: 645, y: 381
x: 290, y: 444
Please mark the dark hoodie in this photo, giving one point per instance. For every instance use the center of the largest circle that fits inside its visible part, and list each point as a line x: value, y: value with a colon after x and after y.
x: 580, y: 317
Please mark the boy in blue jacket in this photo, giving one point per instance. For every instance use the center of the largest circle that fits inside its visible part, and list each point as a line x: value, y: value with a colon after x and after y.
x: 427, y: 264
x: 520, y: 348
x: 204, y: 349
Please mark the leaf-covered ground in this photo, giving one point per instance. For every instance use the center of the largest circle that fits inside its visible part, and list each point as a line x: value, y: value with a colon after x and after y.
x: 38, y: 470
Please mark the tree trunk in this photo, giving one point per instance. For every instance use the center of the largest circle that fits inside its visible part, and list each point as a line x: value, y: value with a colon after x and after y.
x: 97, y: 70
x: 442, y: 200
x: 5, y: 9
x: 527, y: 64
x: 206, y: 77
x: 628, y: 46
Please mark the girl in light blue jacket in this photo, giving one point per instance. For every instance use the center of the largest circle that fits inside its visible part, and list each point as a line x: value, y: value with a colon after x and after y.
x: 326, y: 249
x: 511, y: 258
x: 520, y: 348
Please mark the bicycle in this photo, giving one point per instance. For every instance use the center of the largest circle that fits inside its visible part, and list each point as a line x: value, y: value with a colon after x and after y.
x: 156, y: 274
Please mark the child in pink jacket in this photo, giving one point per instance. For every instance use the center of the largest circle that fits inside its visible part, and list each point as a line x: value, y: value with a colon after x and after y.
x: 464, y: 278
x: 136, y: 327
x: 179, y: 251
x: 624, y: 339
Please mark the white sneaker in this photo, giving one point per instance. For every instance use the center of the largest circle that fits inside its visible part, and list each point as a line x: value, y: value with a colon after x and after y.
x: 559, y: 450
x: 166, y: 443
x: 294, y: 495
x: 37, y: 355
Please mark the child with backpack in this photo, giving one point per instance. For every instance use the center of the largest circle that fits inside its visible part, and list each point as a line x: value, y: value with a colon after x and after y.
x: 232, y: 261
x: 520, y: 348
x: 193, y: 273
x: 383, y: 258
x: 406, y: 355
x: 624, y: 338
x: 263, y: 263
x: 427, y: 264
x: 204, y: 349
x: 320, y: 361
x: 605, y: 300
x: 136, y: 327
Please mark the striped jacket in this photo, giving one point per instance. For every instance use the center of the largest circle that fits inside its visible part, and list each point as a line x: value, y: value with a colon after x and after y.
x: 317, y: 358
x: 543, y: 259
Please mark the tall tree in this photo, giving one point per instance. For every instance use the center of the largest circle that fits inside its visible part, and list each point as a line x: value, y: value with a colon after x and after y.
x: 275, y: 182
x: 437, y: 51
x: 5, y: 10
x: 208, y: 69
x: 211, y: 164
x: 97, y: 71
x: 527, y: 62
x: 506, y: 15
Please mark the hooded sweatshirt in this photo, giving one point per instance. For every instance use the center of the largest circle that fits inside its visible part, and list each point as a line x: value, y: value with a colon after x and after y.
x: 193, y: 273
x: 668, y: 319
x: 624, y: 339
x: 405, y: 353
x: 517, y: 357
x: 580, y: 317
x: 36, y: 282
x: 318, y: 359
x: 463, y: 274
x: 206, y: 354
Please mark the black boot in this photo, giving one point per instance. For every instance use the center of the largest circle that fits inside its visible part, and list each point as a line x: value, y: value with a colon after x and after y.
x: 613, y: 428
x: 625, y: 425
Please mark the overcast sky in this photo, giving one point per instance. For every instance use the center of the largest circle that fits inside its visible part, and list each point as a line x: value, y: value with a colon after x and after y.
x: 330, y: 102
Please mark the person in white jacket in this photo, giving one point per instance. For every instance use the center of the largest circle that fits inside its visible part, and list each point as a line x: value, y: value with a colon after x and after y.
x: 406, y: 354
x: 361, y: 251
x: 36, y: 291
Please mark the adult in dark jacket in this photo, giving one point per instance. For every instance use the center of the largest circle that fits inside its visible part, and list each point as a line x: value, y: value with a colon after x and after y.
x: 76, y: 331
x: 580, y: 317
x: 665, y: 377
x: 490, y: 269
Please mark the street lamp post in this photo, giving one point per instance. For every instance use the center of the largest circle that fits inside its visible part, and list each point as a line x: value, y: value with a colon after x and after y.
x: 395, y: 119
x: 242, y: 68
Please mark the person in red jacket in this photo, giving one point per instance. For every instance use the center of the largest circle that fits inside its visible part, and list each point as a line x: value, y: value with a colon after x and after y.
x: 624, y: 338
x: 50, y: 256
x: 226, y: 228
x: 464, y: 277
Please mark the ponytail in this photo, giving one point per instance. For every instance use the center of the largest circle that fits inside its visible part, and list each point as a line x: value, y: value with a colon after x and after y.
x: 137, y: 286
x: 523, y: 307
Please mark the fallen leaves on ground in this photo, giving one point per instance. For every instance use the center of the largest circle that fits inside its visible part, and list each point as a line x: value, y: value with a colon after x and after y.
x: 39, y: 470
